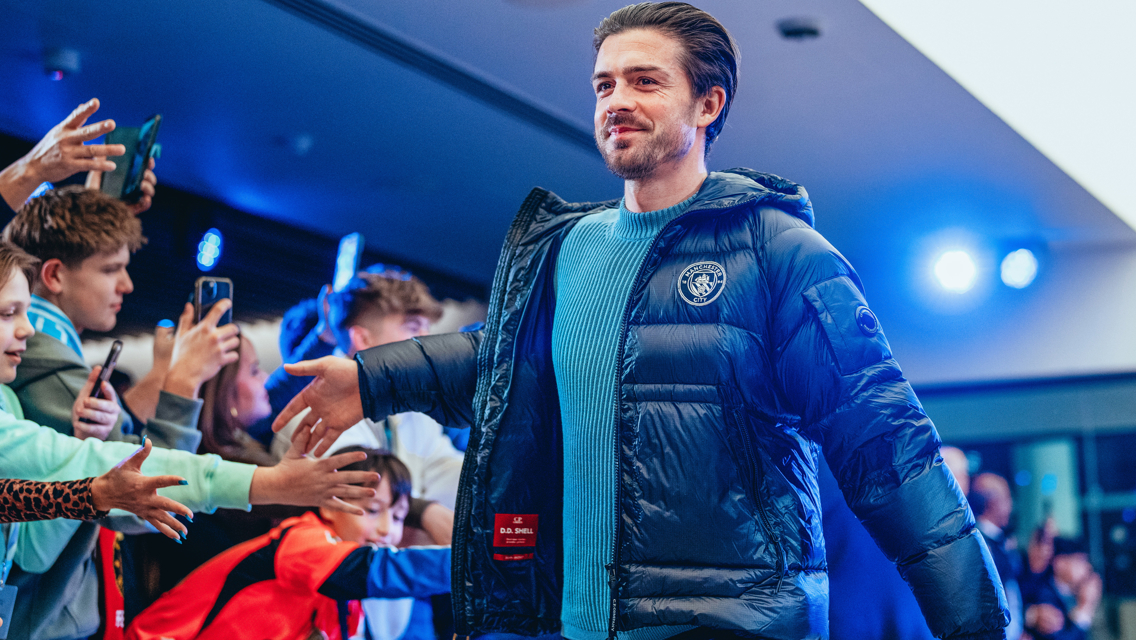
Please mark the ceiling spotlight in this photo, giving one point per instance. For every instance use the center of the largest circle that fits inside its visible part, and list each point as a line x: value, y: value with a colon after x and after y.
x: 798, y: 28
x: 1019, y: 268
x: 955, y: 271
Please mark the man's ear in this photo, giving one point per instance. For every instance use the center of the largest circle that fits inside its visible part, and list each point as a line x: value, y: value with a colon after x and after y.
x: 50, y: 276
x: 360, y: 338
x: 710, y: 106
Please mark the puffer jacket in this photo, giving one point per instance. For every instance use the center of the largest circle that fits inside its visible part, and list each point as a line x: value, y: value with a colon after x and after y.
x: 730, y: 388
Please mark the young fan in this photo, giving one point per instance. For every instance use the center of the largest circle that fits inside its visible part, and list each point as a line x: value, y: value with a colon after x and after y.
x: 305, y: 577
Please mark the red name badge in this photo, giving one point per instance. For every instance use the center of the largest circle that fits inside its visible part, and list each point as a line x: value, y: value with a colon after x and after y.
x: 514, y: 530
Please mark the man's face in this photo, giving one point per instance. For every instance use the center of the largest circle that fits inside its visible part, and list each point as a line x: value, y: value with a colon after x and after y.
x: 1071, y: 568
x: 15, y: 329
x: 381, y: 524
x: 645, y: 107
x: 92, y: 292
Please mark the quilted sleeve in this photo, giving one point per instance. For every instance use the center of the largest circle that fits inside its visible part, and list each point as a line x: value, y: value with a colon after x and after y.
x: 835, y: 371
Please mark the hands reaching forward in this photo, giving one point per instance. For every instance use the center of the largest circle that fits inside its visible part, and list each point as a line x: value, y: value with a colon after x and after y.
x: 333, y: 397
x: 124, y: 487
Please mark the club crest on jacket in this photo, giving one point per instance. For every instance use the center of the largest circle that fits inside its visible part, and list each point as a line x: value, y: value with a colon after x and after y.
x: 701, y: 283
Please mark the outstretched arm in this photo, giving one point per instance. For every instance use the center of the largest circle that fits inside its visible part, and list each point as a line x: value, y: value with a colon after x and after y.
x: 837, y: 373
x: 435, y: 375
x: 381, y: 572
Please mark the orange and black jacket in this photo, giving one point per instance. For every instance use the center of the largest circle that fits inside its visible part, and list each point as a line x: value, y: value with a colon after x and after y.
x: 295, y: 579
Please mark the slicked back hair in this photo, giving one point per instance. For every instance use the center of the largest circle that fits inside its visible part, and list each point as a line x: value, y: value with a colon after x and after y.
x: 73, y: 224
x: 710, y: 55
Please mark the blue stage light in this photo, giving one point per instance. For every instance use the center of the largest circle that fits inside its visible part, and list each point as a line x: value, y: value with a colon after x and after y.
x: 209, y: 250
x: 955, y: 271
x: 1019, y: 268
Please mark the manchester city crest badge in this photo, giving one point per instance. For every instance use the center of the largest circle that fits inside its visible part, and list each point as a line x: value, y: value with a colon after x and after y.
x: 701, y: 283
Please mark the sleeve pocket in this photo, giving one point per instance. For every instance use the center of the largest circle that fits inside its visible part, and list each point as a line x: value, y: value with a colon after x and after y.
x: 853, y: 331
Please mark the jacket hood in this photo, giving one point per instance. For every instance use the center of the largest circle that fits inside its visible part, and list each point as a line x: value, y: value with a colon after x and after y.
x: 724, y: 189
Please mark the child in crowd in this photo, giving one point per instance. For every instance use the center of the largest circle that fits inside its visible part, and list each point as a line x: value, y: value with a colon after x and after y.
x: 304, y: 578
x: 30, y: 451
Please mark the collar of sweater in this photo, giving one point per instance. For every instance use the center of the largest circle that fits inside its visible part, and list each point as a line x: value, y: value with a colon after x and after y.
x: 639, y: 226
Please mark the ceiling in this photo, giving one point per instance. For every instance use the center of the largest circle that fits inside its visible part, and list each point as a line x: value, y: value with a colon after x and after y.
x: 423, y: 124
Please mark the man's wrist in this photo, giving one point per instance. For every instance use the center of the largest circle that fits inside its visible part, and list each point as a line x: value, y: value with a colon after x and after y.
x: 18, y: 181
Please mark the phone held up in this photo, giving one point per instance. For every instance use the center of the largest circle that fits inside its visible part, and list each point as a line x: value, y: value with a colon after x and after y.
x: 125, y: 182
x: 207, y: 291
x: 104, y: 375
x: 347, y: 260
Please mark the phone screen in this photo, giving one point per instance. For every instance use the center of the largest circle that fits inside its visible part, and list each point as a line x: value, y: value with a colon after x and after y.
x: 210, y: 290
x: 147, y: 136
x: 347, y: 260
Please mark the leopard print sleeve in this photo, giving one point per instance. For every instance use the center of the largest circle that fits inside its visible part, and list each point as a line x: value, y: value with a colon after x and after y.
x: 26, y: 500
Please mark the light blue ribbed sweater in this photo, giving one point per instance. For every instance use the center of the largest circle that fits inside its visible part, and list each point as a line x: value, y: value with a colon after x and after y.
x: 594, y: 271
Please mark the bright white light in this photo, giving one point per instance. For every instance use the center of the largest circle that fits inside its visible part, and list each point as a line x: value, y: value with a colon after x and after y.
x: 1019, y: 268
x: 209, y: 250
x: 955, y: 271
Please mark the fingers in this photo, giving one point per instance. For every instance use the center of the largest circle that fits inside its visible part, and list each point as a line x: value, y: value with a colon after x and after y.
x: 291, y: 410
x: 306, y: 368
x: 168, y: 526
x: 102, y: 414
x: 172, y: 506
x: 327, y: 437
x: 341, y: 460
x: 135, y: 460
x: 218, y: 310
x: 111, y: 397
x: 90, y: 383
x: 335, y: 504
x: 300, y: 438
x: 185, y: 321
x: 80, y: 114
x: 100, y: 151
x: 351, y: 491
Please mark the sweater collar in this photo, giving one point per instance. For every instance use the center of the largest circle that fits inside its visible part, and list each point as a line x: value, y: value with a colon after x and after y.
x: 637, y: 226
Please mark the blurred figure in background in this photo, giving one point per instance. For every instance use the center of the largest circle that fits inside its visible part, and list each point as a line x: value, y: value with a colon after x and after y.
x: 1065, y: 602
x: 993, y: 505
x: 959, y: 465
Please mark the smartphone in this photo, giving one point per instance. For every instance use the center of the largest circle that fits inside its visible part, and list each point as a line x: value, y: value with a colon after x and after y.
x: 125, y: 182
x: 104, y: 375
x: 207, y: 291
x: 347, y: 260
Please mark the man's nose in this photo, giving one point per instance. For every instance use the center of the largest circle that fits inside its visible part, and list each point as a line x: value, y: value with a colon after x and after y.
x: 621, y: 99
x: 125, y: 284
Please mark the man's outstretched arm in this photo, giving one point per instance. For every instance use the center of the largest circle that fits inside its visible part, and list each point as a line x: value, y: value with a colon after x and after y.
x: 435, y: 375
x: 837, y: 373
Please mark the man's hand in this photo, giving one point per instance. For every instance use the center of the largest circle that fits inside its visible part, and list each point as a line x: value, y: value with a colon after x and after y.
x: 124, y: 487
x: 101, y: 413
x: 60, y: 154
x: 148, y: 187
x: 305, y: 481
x: 201, y: 350
x: 333, y: 397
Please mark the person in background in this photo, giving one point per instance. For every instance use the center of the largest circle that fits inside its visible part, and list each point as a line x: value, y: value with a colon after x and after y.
x: 992, y: 503
x: 304, y: 334
x: 1072, y: 589
x: 381, y: 308
x: 305, y: 578
x: 62, y: 153
x: 959, y: 466
x: 47, y: 609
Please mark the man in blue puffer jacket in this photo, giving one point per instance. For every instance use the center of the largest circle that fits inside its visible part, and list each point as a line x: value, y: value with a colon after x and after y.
x: 655, y: 383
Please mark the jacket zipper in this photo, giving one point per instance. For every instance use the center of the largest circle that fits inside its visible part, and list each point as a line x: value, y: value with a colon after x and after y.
x: 613, y: 568
x: 763, y: 515
x: 462, y: 507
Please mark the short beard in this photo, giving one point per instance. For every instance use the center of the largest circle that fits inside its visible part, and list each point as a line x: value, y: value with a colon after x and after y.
x: 658, y: 150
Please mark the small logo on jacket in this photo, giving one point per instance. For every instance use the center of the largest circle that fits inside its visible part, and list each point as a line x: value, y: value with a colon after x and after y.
x: 701, y: 283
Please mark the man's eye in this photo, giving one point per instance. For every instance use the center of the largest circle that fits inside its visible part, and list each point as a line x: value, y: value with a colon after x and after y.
x: 603, y: 86
x: 646, y: 81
